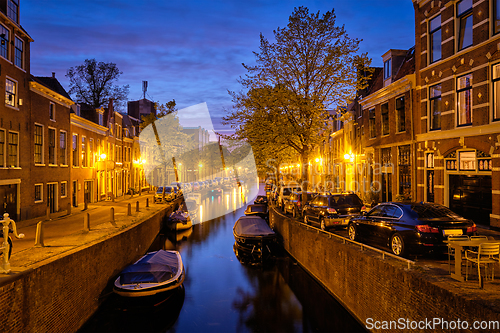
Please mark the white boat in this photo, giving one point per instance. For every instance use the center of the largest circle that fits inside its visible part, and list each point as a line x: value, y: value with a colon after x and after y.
x: 154, y: 273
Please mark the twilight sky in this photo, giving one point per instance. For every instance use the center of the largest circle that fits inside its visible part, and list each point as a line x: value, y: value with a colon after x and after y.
x: 190, y: 50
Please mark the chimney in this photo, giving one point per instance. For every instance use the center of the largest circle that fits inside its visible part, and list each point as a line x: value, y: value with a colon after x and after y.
x: 53, y: 75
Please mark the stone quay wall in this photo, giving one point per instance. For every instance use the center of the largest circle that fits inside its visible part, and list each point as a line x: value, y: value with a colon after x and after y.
x: 61, y: 293
x: 372, y: 288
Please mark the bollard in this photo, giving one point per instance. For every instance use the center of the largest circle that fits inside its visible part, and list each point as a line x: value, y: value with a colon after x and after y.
x: 112, y: 215
x: 39, y: 235
x: 129, y: 209
x: 137, y: 206
x: 112, y: 197
x: 69, y: 208
x: 147, y: 202
x: 85, y: 205
x: 86, y: 222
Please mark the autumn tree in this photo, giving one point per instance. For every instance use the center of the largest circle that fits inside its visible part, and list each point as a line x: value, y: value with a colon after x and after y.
x: 310, y: 68
x: 93, y: 83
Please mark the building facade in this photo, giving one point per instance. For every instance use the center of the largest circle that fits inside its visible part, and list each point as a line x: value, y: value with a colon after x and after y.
x: 15, y: 130
x: 458, y: 109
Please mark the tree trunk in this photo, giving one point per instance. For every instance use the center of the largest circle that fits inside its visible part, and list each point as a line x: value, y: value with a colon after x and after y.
x: 304, y: 156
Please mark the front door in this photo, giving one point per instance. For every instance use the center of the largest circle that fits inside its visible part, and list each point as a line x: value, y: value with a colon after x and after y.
x: 8, y: 201
x: 74, y: 193
x: 88, y: 191
x: 386, y: 187
x: 470, y: 196
x: 51, y: 197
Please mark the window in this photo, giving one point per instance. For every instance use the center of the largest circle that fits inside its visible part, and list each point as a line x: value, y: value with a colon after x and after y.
x: 62, y: 148
x: 91, y: 152
x: 38, y: 192
x: 496, y: 16
x: 386, y: 157
x: 2, y: 149
x: 101, y: 118
x: 18, y: 57
x: 435, y: 107
x: 400, y: 114
x: 404, y: 171
x: 13, y: 10
x: 4, y: 42
x: 384, y: 110
x: 38, y: 144
x: 64, y: 189
x: 84, y: 152
x: 435, y: 39
x: 464, y: 15
x: 387, y: 69
x: 10, y: 92
x: 13, y: 149
x: 496, y: 92
x: 464, y: 107
x: 75, y: 150
x: 52, y: 111
x: 52, y: 146
x: 371, y: 123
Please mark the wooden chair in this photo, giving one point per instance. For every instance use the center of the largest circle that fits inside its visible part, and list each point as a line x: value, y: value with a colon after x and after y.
x: 488, y: 253
x: 451, y: 251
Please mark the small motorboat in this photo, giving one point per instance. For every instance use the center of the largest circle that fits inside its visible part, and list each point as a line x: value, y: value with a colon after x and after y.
x: 154, y: 273
x: 179, y: 220
x: 253, y: 234
x: 258, y: 210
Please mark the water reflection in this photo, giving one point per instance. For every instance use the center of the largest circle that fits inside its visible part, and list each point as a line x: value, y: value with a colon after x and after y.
x: 226, y: 291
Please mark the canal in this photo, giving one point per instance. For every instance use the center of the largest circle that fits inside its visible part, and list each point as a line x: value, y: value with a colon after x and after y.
x: 224, y: 292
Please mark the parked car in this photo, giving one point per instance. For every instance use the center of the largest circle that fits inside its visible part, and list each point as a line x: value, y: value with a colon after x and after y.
x: 284, y: 193
x: 294, y: 204
x: 196, y: 186
x: 410, y: 227
x: 332, y: 210
x: 159, y: 194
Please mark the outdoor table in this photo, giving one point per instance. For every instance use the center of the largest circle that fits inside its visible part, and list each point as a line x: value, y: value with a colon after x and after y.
x: 458, y: 246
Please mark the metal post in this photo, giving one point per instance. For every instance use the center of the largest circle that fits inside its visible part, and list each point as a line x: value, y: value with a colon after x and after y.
x: 137, y: 206
x: 86, y: 222
x: 129, y: 209
x: 112, y: 215
x: 147, y: 202
x: 39, y: 235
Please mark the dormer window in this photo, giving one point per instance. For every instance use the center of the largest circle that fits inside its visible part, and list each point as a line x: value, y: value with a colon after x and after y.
x: 387, y: 69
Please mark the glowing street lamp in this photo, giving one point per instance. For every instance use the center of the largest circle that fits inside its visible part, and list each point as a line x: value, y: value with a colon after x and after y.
x: 103, y: 158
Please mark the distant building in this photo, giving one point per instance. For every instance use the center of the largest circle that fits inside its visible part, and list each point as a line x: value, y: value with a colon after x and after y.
x: 142, y: 107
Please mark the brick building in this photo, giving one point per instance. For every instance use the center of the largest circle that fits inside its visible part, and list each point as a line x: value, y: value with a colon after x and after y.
x: 15, y: 117
x: 458, y: 111
x: 49, y: 163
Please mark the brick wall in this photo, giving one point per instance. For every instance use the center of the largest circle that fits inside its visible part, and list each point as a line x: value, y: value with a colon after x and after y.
x: 62, y: 294
x: 369, y: 286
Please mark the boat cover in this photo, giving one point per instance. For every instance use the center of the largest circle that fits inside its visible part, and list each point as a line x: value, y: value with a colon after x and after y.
x: 154, y: 267
x: 252, y: 226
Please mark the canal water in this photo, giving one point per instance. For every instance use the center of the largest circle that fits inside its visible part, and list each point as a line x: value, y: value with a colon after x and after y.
x: 225, y: 292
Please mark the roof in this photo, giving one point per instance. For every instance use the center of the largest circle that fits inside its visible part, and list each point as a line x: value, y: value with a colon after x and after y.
x: 51, y: 83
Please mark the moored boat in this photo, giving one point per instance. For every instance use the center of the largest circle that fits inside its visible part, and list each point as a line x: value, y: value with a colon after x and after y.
x: 155, y: 272
x: 253, y: 234
x: 179, y: 220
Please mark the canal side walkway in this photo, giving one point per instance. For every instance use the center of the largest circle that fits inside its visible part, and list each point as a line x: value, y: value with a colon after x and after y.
x: 63, y: 232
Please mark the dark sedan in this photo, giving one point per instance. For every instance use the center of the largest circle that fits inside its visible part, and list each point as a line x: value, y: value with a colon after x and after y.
x: 410, y: 227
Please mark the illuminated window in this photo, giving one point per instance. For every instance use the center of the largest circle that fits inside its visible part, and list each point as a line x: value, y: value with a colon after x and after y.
x: 84, y: 152
x: 75, y: 150
x: 38, y: 192
x: 387, y: 69
x: 371, y: 123
x: 62, y: 148
x: 13, y: 150
x: 464, y: 99
x: 2, y: 149
x: 64, y: 189
x: 10, y: 92
x: 52, y: 146
x: 435, y: 107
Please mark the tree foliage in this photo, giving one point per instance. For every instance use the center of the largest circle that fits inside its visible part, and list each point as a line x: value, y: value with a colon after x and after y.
x: 311, y: 68
x: 94, y: 84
